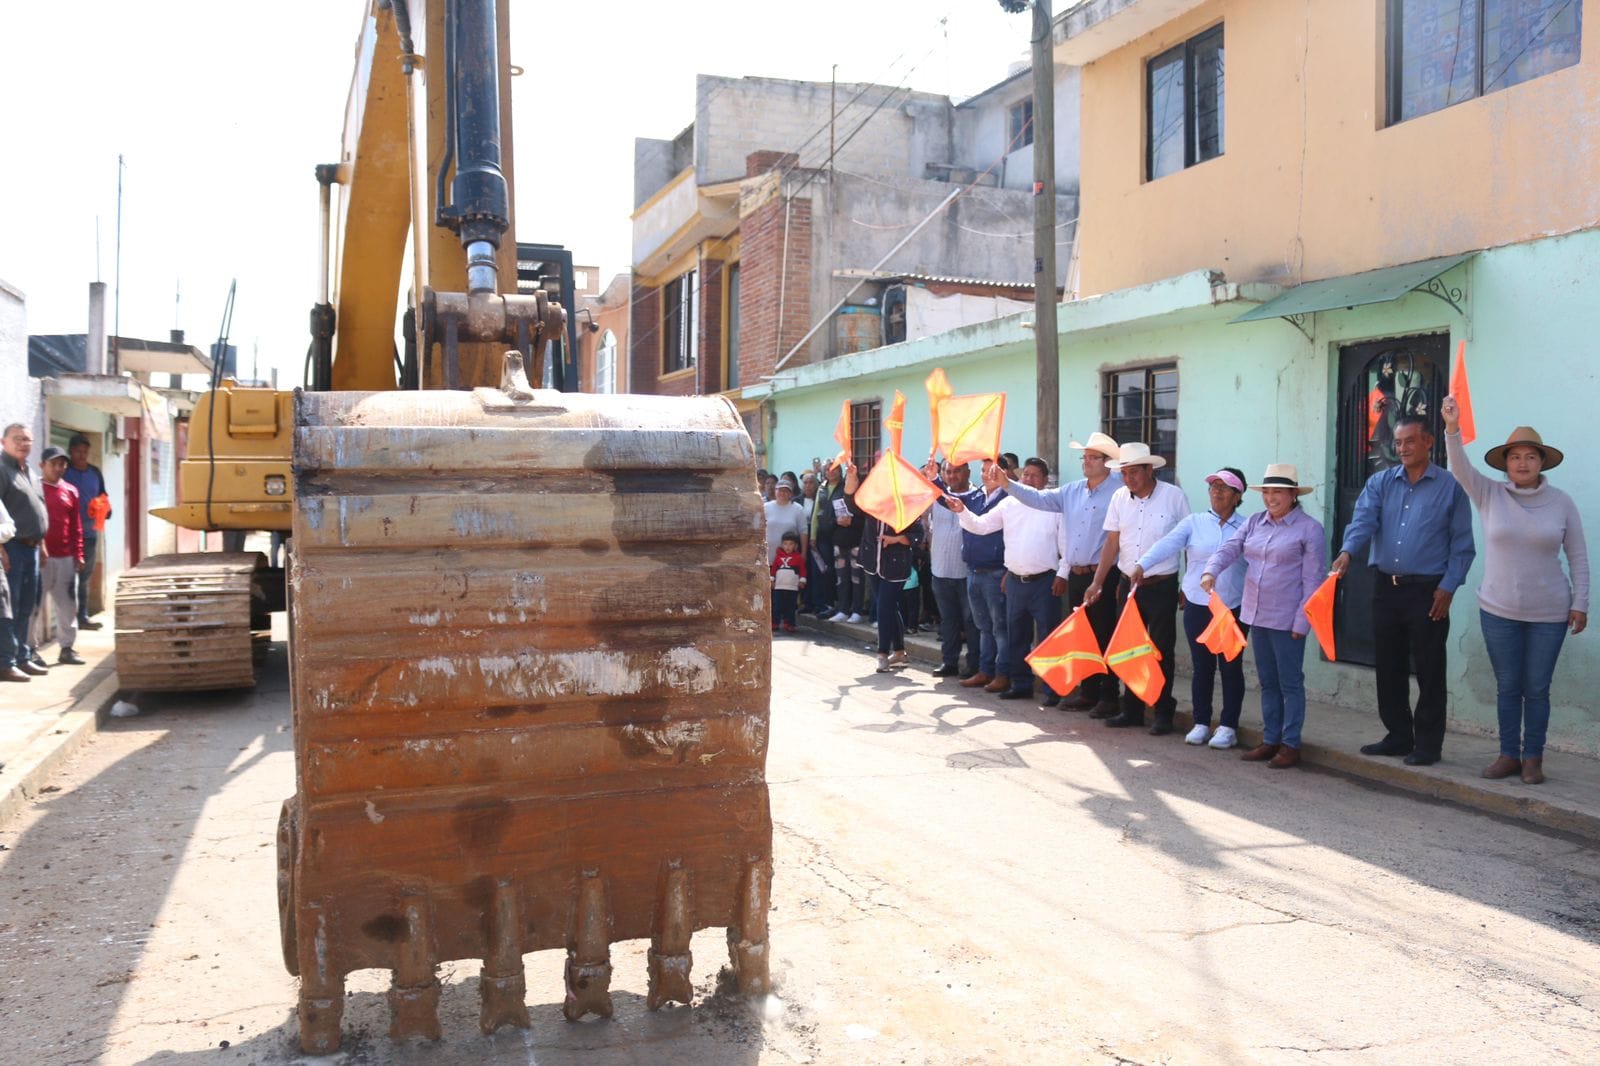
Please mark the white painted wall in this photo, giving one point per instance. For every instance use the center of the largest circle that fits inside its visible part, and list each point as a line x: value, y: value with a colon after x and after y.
x: 19, y: 394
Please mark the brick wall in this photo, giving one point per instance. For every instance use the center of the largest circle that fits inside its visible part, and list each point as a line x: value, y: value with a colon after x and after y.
x: 763, y: 338
x: 644, y: 340
x: 709, y: 344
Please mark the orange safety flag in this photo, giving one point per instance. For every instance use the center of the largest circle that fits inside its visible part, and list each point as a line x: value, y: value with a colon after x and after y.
x: 938, y: 387
x: 896, y: 422
x: 1067, y: 656
x: 969, y: 426
x: 99, y: 511
x: 841, y: 432
x: 1223, y: 636
x: 1132, y: 657
x: 1319, y: 610
x: 896, y: 493
x: 1462, y: 392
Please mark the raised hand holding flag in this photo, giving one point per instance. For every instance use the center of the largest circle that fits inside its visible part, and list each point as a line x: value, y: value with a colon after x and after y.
x: 970, y: 426
x: 1461, y: 392
x: 939, y: 389
x: 895, y: 492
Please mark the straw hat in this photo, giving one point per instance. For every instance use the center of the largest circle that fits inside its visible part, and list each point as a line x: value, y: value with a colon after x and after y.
x: 1528, y: 436
x: 1282, y: 476
x: 1135, y: 453
x: 1099, y: 442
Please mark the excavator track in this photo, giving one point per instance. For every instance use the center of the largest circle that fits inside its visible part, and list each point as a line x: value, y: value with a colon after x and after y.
x: 187, y: 622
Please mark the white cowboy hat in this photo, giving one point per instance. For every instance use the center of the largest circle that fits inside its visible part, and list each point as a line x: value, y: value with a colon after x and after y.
x: 1099, y: 442
x: 1282, y: 476
x: 1135, y: 453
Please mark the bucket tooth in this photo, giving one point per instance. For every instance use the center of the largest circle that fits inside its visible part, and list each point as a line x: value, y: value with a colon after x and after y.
x: 670, y: 959
x: 589, y: 955
x: 321, y: 986
x: 747, y: 941
x: 414, y: 995
x: 501, y: 983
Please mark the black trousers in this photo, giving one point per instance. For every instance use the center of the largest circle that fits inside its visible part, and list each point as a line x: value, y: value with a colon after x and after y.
x: 1158, y: 606
x: 1102, y: 619
x: 1404, y: 634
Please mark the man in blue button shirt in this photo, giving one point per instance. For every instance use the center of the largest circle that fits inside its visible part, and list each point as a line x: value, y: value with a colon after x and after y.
x: 984, y: 555
x: 1418, y: 521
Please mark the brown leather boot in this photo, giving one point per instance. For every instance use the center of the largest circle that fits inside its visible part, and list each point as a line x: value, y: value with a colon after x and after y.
x: 1533, y: 771
x: 1260, y: 753
x: 1503, y: 766
x: 977, y: 680
x: 1285, y: 758
x: 999, y: 684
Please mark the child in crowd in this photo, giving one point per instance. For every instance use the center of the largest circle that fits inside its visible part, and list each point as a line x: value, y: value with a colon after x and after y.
x: 788, y: 578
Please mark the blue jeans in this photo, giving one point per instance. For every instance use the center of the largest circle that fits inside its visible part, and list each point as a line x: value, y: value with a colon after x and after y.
x: 24, y: 586
x: 1207, y: 665
x: 1523, y: 655
x: 1280, y: 664
x: 891, y: 627
x: 1031, y: 613
x: 956, y: 622
x: 989, y: 612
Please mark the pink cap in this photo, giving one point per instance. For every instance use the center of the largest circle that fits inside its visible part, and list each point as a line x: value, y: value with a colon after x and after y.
x: 1227, y: 479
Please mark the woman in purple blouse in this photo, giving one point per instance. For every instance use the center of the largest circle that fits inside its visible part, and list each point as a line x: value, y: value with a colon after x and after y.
x: 1286, y: 558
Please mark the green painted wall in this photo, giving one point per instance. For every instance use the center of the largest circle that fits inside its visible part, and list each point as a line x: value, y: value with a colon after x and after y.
x: 1260, y: 392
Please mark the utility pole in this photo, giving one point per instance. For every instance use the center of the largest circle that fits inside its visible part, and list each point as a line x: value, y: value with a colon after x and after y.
x: 1045, y: 329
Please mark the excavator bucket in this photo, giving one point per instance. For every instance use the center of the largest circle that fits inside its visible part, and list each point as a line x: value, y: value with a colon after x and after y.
x: 531, y: 670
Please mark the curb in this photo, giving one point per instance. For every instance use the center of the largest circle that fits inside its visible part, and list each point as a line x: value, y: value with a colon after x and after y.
x: 26, y: 774
x: 1383, y: 771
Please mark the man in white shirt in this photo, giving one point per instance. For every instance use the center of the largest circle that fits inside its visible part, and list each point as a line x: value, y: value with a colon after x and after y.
x: 1141, y: 513
x: 1033, y: 543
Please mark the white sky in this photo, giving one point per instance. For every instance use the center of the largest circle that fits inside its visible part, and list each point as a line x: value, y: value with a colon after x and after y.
x: 222, y: 109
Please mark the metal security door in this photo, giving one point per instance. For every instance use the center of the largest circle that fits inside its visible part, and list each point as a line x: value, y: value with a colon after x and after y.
x: 1379, y: 381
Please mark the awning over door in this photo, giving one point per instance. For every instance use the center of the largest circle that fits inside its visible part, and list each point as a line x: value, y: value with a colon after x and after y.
x: 1355, y: 290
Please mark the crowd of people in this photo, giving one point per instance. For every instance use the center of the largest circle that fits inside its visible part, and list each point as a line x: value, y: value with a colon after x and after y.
x: 998, y: 565
x: 48, y: 542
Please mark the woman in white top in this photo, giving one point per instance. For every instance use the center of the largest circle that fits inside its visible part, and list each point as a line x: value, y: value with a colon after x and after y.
x: 1526, y: 603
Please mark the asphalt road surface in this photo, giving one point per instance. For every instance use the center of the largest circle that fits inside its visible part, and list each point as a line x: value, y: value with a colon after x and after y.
x: 958, y: 880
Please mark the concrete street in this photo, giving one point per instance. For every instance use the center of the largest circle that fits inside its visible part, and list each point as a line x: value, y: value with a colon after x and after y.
x: 959, y: 880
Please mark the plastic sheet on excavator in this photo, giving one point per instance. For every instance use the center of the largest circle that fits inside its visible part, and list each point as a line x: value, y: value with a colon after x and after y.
x: 531, y: 669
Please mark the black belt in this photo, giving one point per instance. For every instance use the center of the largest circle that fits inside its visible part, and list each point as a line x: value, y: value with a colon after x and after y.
x: 1409, y: 579
x: 1151, y: 579
x: 1081, y: 570
x: 1031, y: 577
x: 29, y: 542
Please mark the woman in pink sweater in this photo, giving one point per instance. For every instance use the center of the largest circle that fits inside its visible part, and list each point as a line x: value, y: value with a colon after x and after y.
x: 1526, y: 602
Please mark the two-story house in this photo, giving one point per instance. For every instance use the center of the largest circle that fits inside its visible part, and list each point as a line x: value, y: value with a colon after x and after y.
x: 796, y: 222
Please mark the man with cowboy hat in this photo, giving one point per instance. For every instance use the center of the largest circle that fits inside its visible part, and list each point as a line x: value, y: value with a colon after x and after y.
x: 1418, y: 522
x: 1139, y: 514
x: 1082, y: 505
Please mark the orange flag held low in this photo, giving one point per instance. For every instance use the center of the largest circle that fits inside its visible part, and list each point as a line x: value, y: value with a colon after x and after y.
x: 1223, y: 636
x: 896, y: 422
x: 896, y: 493
x: 938, y: 387
x: 841, y: 432
x: 1132, y: 657
x: 969, y: 426
x: 1067, y: 656
x: 1462, y: 393
x: 1319, y: 609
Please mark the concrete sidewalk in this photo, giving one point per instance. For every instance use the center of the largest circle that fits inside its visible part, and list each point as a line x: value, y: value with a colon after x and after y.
x: 44, y: 721
x: 1569, y: 799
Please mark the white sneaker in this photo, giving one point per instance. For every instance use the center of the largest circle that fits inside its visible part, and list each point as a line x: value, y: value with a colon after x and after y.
x: 838, y: 617
x: 1198, y: 734
x: 854, y: 619
x: 1224, y: 738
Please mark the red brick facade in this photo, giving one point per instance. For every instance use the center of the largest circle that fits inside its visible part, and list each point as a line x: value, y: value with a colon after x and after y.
x: 763, y: 338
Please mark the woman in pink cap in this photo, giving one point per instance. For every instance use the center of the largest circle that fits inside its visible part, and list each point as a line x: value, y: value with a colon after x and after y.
x: 1200, y: 534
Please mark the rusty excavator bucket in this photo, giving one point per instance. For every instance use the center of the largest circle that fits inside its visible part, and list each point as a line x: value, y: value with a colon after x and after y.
x: 531, y: 672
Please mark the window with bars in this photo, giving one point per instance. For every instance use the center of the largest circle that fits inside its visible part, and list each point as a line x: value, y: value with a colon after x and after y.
x: 1184, y: 105
x: 680, y: 322
x: 1021, y: 114
x: 1141, y: 404
x: 866, y: 433
x: 1442, y: 52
